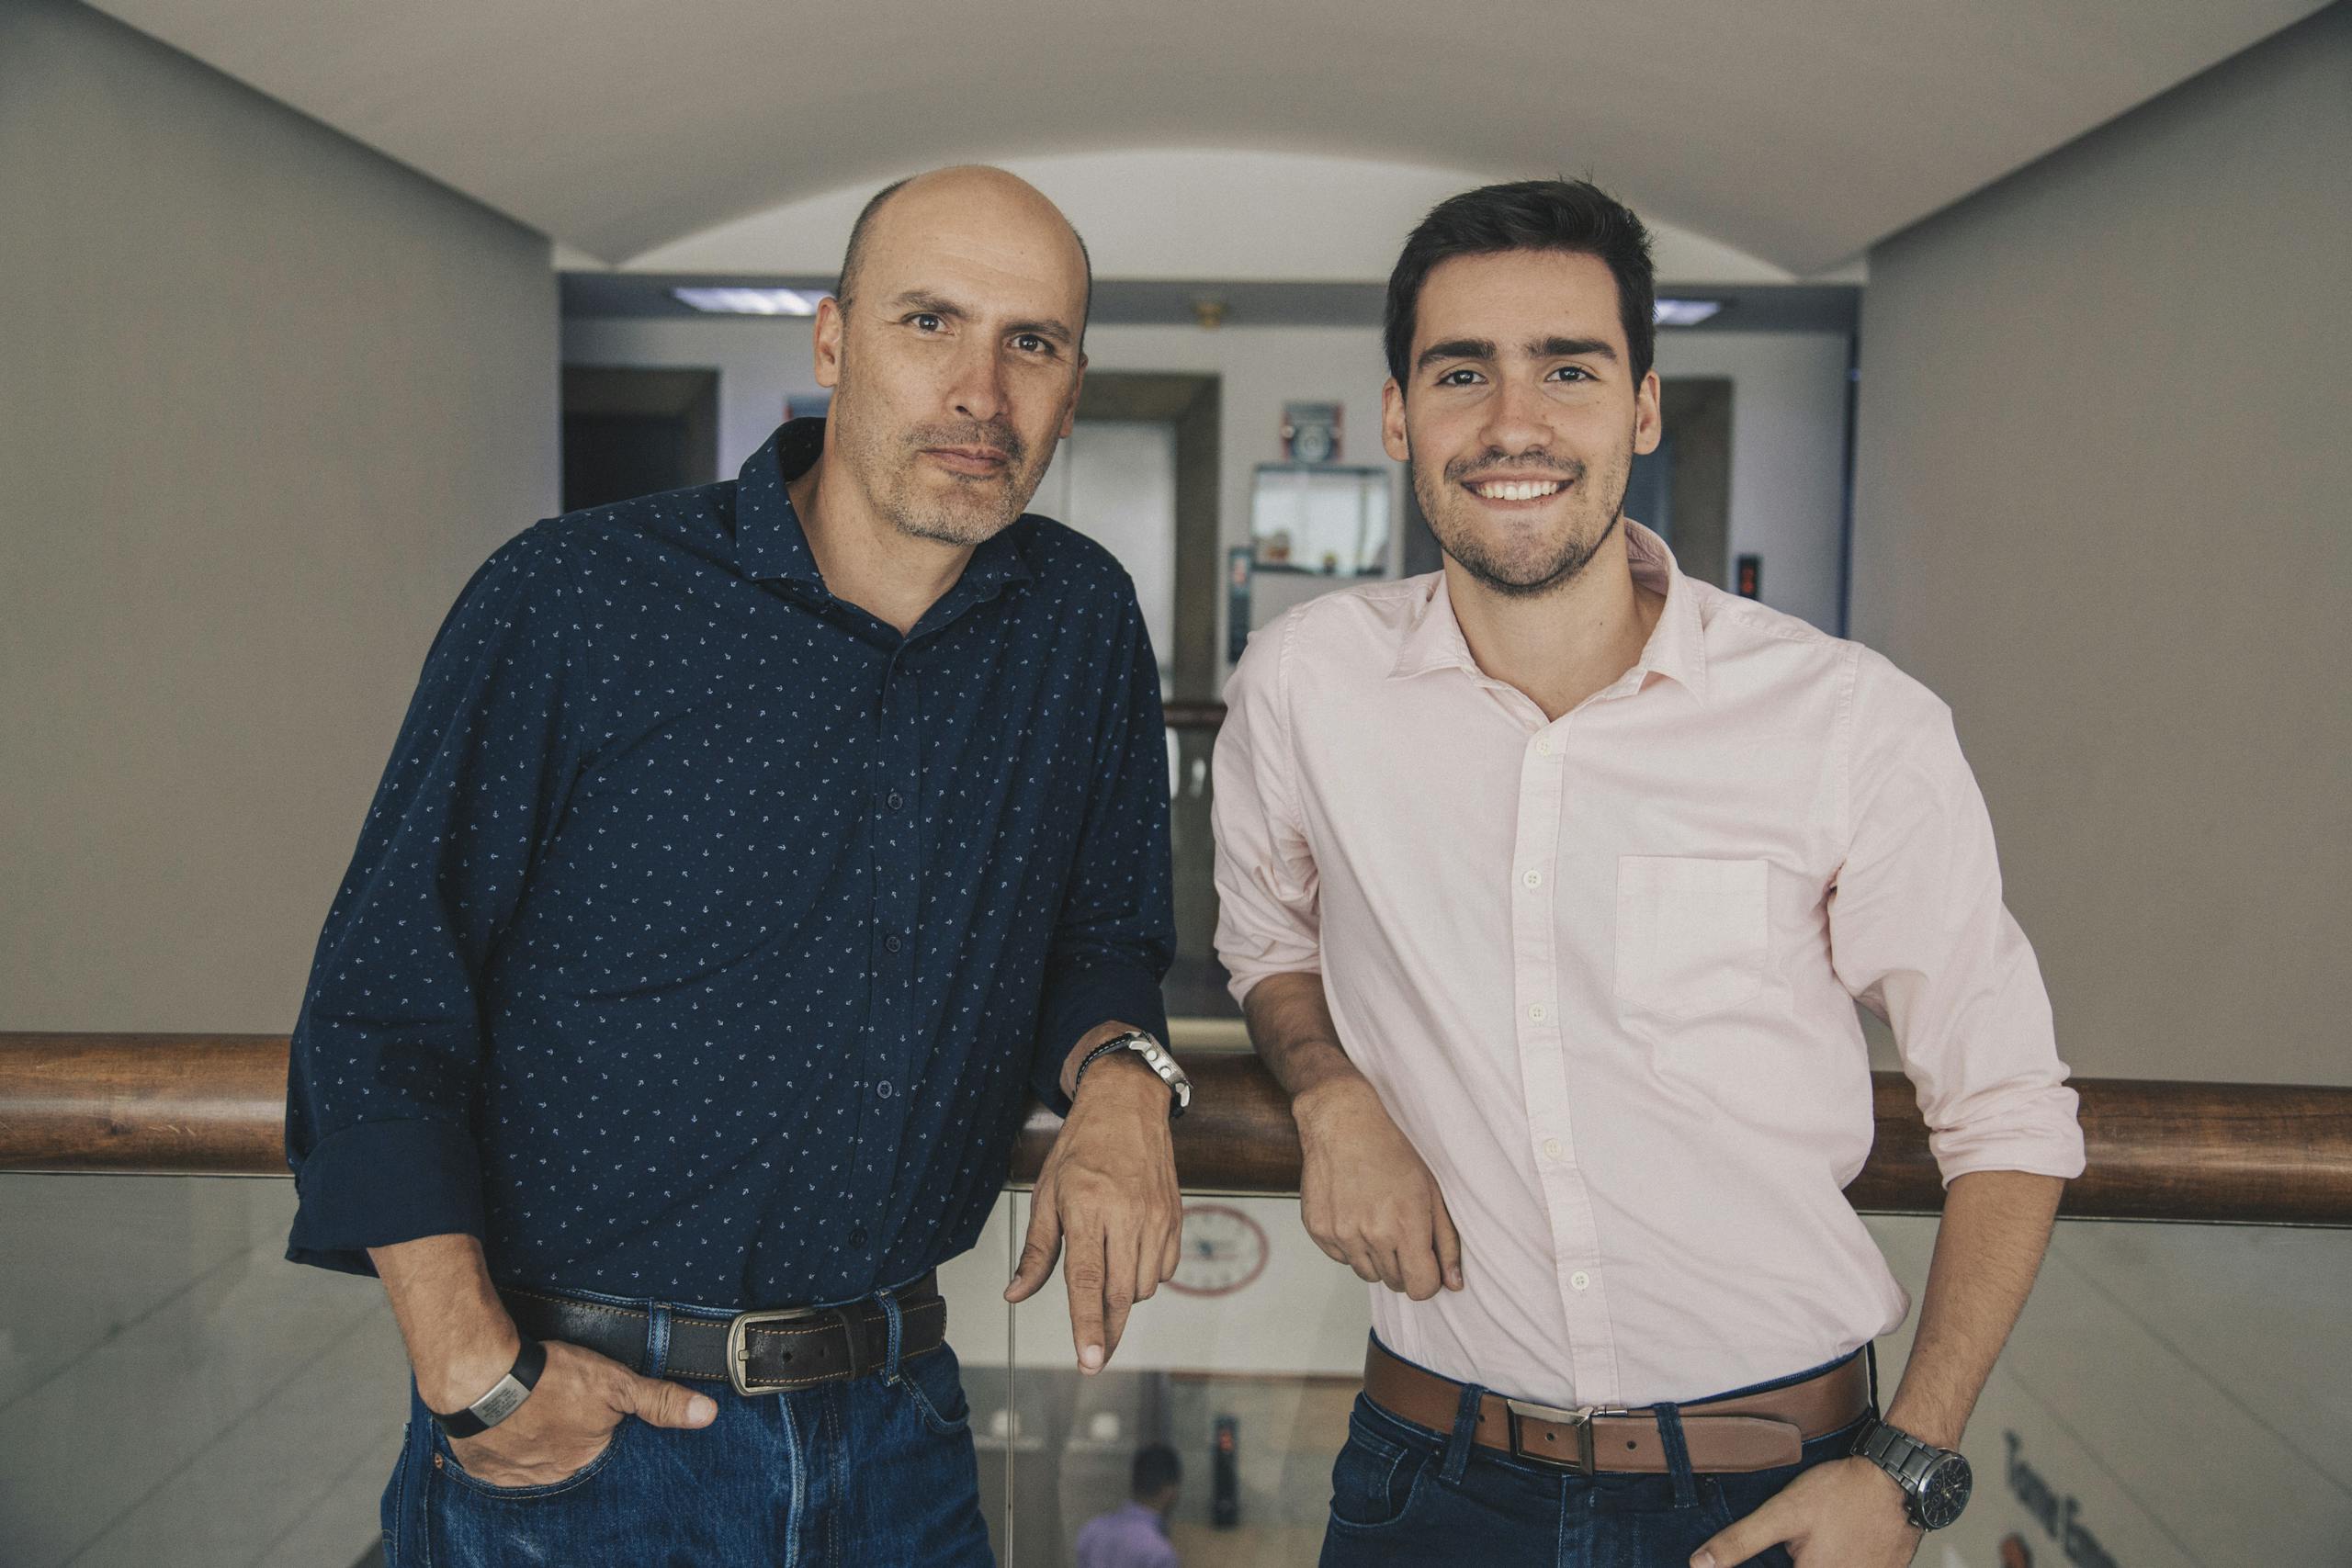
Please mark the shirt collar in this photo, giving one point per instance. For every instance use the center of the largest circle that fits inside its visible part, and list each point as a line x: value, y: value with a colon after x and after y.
x: 1677, y: 647
x: 771, y: 544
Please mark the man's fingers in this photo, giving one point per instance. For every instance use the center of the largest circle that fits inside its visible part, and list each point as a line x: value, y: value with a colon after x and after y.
x: 1449, y: 1242
x: 1082, y: 1275
x: 668, y: 1405
x: 1119, y: 1293
x: 1419, y: 1266
x: 1744, y: 1539
x: 1171, y: 1254
x: 1045, y: 1239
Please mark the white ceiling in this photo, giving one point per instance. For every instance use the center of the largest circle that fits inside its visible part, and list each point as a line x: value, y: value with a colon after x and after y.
x: 1798, y: 132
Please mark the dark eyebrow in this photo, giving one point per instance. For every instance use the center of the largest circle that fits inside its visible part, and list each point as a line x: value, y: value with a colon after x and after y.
x: 1570, y: 348
x: 917, y: 299
x: 1456, y: 348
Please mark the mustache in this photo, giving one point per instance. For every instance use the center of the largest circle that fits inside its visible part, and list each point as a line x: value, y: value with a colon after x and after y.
x: 1536, y: 467
x: 996, y: 432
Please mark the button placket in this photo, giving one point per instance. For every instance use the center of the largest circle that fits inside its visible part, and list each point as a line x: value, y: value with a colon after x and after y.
x: 1544, y: 1066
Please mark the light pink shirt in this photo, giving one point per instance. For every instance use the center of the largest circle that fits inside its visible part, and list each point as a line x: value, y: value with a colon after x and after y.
x: 1602, y: 970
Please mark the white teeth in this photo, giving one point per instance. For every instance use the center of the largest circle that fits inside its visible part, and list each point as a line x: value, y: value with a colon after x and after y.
x: 1519, y: 490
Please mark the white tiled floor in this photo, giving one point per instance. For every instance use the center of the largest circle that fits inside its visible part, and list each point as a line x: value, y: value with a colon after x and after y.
x: 173, y: 1391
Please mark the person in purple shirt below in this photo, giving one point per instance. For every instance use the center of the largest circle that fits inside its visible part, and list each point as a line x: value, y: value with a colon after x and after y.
x: 1135, y: 1535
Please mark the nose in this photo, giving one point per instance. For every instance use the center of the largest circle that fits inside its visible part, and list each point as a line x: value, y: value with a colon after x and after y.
x: 1514, y: 418
x: 977, y: 389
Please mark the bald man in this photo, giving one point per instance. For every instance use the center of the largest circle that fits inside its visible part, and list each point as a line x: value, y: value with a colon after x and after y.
x: 749, y: 855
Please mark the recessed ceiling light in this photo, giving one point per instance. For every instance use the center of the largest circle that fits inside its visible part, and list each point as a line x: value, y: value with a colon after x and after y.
x: 751, y: 301
x: 1684, y: 313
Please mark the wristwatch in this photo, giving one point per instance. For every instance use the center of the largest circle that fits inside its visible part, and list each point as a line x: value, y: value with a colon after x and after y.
x: 1154, y: 1056
x: 503, y: 1399
x: 1935, y: 1482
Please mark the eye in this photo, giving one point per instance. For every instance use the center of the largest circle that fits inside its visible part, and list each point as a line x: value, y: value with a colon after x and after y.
x: 924, y: 322
x: 1573, y: 373
x: 1465, y: 376
x: 1030, y: 343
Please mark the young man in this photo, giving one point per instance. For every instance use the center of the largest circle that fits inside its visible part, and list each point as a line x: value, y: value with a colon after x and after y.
x: 1548, y: 882
x: 747, y: 856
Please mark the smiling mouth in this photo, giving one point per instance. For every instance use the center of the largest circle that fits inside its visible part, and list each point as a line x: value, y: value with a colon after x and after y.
x: 1515, y: 489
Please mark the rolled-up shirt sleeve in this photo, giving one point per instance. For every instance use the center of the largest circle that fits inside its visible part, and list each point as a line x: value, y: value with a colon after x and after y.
x: 1116, y: 934
x: 1918, y: 934
x: 1268, y: 919
x: 387, y: 1050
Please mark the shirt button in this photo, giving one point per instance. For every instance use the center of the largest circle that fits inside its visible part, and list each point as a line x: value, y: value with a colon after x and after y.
x: 1580, y: 1280
x: 894, y: 800
x: 1535, y: 1012
x: 1551, y: 1148
x: 891, y: 942
x: 1544, y: 747
x: 1534, y: 879
x: 883, y: 1089
x: 857, y: 1236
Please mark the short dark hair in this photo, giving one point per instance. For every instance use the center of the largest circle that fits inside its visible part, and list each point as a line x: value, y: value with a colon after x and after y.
x: 854, y: 253
x: 1572, y: 215
x: 1155, y: 1469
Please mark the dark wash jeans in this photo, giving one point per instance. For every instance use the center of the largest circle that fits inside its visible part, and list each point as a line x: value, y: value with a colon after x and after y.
x: 874, y: 1472
x: 1403, y: 1493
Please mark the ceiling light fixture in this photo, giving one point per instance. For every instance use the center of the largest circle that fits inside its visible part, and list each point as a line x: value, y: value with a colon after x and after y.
x: 1683, y: 312
x: 751, y: 301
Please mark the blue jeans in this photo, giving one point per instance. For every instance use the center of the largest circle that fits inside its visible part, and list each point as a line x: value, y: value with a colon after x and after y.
x: 871, y: 1472
x: 1403, y: 1493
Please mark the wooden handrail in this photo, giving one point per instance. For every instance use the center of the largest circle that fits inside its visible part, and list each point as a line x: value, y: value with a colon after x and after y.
x: 2214, y: 1153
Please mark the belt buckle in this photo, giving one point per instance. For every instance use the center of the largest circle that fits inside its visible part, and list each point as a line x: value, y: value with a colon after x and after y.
x: 738, y: 1342
x: 1580, y: 1418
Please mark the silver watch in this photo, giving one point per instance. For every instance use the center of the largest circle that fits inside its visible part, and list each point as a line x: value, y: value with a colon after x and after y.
x: 1154, y: 1056
x: 1935, y: 1482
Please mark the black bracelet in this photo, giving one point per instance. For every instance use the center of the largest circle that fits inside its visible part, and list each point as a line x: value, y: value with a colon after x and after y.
x: 1078, y: 1077
x: 503, y: 1399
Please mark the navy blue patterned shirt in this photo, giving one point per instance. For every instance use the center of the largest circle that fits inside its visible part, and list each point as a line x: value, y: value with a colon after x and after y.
x: 707, y: 936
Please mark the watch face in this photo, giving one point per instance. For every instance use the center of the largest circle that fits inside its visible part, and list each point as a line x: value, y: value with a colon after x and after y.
x: 1943, y: 1491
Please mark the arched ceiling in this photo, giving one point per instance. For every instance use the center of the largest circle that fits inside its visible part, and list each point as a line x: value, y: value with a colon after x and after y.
x: 1795, y: 131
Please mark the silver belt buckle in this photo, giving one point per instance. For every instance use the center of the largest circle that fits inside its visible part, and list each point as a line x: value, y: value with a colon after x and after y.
x: 738, y: 1342
x: 1580, y: 1418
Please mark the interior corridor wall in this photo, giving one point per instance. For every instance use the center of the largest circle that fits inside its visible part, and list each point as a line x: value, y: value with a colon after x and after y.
x: 266, y: 400
x: 2100, y: 508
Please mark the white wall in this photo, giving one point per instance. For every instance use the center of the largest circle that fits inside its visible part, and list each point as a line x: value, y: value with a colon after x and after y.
x: 266, y: 400
x: 1788, y: 455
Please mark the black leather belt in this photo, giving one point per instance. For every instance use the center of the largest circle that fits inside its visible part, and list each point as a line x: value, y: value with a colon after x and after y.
x: 755, y: 1352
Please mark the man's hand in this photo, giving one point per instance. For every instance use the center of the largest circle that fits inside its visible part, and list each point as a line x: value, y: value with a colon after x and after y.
x: 570, y: 1417
x: 461, y: 1342
x: 1365, y: 1195
x: 1108, y: 1195
x: 1846, y: 1514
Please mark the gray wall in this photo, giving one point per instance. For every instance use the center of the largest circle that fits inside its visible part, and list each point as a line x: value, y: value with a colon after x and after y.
x: 2101, y: 507
x: 265, y: 400
x: 2102, y: 485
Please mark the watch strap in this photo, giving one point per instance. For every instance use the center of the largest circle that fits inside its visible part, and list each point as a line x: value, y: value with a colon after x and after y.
x: 504, y: 1397
x: 1154, y: 1056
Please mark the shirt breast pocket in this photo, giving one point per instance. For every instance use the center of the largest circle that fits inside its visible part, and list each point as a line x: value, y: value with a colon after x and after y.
x: 1690, y: 933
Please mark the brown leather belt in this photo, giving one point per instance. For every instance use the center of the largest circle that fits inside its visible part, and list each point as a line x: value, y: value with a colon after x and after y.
x: 754, y: 1352
x: 1747, y: 1432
